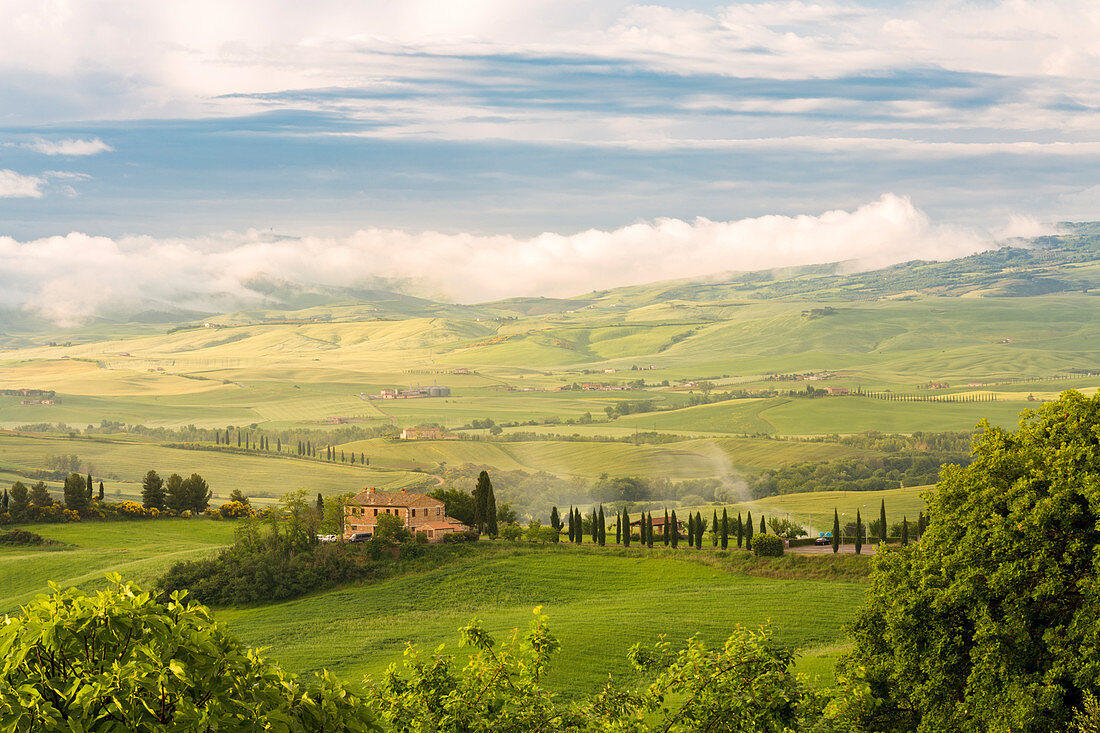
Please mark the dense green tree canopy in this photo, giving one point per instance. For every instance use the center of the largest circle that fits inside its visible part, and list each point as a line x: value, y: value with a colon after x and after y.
x: 992, y: 621
x: 120, y: 661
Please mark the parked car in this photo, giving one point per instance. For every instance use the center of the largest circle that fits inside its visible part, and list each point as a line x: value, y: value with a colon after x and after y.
x: 327, y: 538
x: 823, y: 540
x: 359, y: 537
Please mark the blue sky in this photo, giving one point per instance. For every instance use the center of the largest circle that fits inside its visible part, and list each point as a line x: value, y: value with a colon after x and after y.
x: 190, y: 120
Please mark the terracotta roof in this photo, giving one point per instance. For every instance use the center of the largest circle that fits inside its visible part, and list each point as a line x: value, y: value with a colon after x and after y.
x: 370, y: 497
x: 456, y: 526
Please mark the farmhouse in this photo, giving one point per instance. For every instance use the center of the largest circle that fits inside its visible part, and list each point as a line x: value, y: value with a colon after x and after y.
x: 836, y: 390
x: 421, y: 434
x: 420, y: 512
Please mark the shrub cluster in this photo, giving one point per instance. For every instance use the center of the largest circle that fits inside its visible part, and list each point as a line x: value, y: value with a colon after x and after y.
x: 767, y: 545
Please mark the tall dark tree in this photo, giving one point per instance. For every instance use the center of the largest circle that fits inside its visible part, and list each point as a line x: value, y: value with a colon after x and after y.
x: 101, y: 493
x: 481, y: 499
x: 649, y: 530
x: 748, y: 531
x: 859, y: 533
x: 40, y: 495
x: 699, y: 527
x: 740, y: 530
x: 725, y: 529
x: 715, y: 532
x: 555, y: 519
x: 691, y: 530
x: 763, y: 525
x: 491, y: 525
x: 664, y: 529
x: 882, y: 521
x: 836, y: 532
x: 175, y: 498
x: 922, y: 525
x: 4, y: 504
x: 90, y: 487
x: 320, y: 506
x: 152, y: 491
x: 278, y: 445
x: 626, y: 529
x: 197, y: 493
x: 904, y: 532
x: 618, y: 528
x: 675, y: 529
x: 602, y: 539
x: 20, y: 499
x: 579, y: 534
x: 76, y: 493
x: 571, y: 528
x: 595, y: 528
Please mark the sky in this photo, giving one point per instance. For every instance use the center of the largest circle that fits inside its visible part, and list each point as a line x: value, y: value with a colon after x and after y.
x: 562, y: 141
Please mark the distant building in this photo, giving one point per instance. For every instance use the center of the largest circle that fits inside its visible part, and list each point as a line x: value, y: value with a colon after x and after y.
x: 659, y: 525
x: 434, y: 390
x: 420, y: 512
x: 421, y: 434
x: 836, y: 390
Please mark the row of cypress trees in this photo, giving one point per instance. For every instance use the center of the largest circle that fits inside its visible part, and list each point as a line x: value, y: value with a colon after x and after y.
x: 922, y: 524
x: 725, y: 529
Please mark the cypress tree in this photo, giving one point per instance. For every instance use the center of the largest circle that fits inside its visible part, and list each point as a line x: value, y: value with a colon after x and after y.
x: 602, y: 539
x: 763, y: 526
x: 698, y: 531
x: 490, y: 512
x: 595, y: 528
x: 740, y: 530
x: 555, y: 519
x: 571, y: 530
x: 626, y: 529
x: 238, y: 438
x: 320, y: 505
x: 904, y: 532
x: 748, y: 532
x: 675, y: 527
x: 353, y: 458
x: 618, y: 528
x: 882, y: 519
x: 714, y: 529
x: 859, y: 534
x: 579, y: 534
x: 836, y: 532
x: 90, y: 487
x: 691, y: 530
x: 725, y: 529
x: 101, y: 491
x: 5, y: 501
x: 649, y: 530
x: 922, y: 524
x: 362, y: 458
x: 278, y: 445
x: 664, y: 529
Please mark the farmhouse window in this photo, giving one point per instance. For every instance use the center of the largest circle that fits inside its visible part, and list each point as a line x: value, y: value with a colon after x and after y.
x: 376, y: 512
x: 414, y: 512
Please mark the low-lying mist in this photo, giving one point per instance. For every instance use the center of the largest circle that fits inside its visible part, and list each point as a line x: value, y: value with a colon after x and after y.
x: 69, y: 279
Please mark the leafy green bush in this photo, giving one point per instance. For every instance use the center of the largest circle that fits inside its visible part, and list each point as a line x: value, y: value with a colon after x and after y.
x: 23, y: 537
x: 120, y: 661
x: 767, y: 545
x: 992, y: 620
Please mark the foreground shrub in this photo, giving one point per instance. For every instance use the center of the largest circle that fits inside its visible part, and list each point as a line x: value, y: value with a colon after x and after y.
x: 23, y: 537
x: 120, y: 661
x: 767, y: 545
x: 992, y: 621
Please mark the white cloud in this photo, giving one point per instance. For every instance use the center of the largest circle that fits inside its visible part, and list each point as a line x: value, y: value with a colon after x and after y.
x: 71, y: 146
x: 16, y: 185
x: 214, y: 273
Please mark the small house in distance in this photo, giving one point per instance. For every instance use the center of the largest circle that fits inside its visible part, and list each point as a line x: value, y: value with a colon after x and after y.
x: 420, y: 512
x: 421, y: 434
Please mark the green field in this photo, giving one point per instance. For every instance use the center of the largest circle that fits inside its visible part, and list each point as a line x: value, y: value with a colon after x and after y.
x: 140, y: 551
x: 598, y: 603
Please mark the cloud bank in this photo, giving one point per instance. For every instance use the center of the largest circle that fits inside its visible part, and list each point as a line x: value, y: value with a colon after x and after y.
x: 71, y: 278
